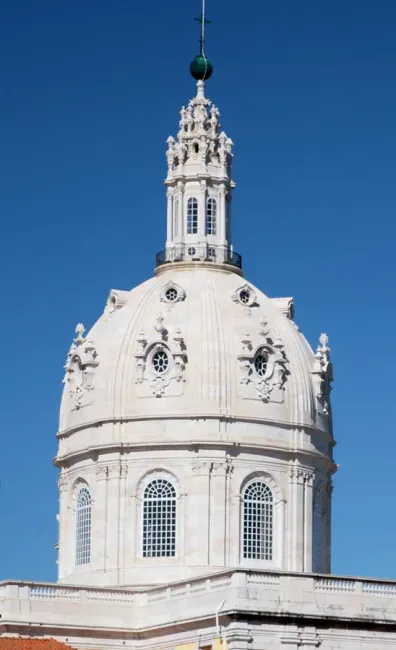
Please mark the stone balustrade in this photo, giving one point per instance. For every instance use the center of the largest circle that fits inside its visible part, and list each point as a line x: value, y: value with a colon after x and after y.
x: 256, y: 591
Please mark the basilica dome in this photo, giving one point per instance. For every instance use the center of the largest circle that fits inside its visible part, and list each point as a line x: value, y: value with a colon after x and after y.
x: 195, y: 427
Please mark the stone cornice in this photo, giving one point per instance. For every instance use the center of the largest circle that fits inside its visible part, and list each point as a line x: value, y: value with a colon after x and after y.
x: 123, y: 448
x: 192, y: 266
x: 193, y: 416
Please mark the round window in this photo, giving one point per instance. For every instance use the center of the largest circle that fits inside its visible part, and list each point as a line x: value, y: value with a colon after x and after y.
x: 244, y: 296
x: 171, y: 294
x: 260, y: 365
x: 191, y: 251
x: 160, y: 362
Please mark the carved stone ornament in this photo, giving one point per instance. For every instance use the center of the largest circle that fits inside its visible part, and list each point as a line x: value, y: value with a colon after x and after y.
x: 268, y: 386
x: 200, y: 139
x: 115, y: 301
x: 323, y: 373
x: 160, y: 362
x: 171, y: 293
x: 63, y: 483
x: 245, y: 296
x: 80, y: 367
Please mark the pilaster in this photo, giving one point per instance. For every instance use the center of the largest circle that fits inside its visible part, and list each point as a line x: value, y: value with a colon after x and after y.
x: 219, y: 511
x: 99, y: 521
x: 308, y: 520
x: 295, y: 554
x: 222, y: 215
x: 169, y: 221
x: 113, y: 515
x: 64, y: 523
x: 197, y: 537
x: 202, y: 212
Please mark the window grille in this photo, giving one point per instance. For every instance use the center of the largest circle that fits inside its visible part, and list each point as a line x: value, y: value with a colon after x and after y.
x: 161, y: 361
x: 211, y: 213
x: 159, y: 519
x: 192, y: 216
x: 258, y: 522
x: 261, y: 364
x: 83, y: 527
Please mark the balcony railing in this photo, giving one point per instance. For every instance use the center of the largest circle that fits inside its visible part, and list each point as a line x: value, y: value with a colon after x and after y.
x: 191, y: 253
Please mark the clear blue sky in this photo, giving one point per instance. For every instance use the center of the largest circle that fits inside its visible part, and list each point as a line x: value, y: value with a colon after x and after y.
x: 90, y: 90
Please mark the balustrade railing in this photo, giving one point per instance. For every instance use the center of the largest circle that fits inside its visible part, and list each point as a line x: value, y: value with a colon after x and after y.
x: 191, y: 253
x: 201, y: 585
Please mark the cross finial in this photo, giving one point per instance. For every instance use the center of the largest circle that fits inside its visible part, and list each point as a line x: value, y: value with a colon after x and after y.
x: 203, y: 22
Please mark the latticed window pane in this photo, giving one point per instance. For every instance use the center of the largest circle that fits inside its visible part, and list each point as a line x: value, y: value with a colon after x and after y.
x: 211, y: 212
x: 258, y: 522
x: 192, y: 216
x: 83, y: 527
x: 159, y: 519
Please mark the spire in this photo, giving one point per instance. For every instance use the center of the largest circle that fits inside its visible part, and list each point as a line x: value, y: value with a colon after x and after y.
x: 199, y: 187
x: 199, y: 179
x: 201, y: 68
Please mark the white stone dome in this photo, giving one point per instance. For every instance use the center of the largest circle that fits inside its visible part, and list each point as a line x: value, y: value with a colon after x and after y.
x: 197, y: 386
x: 213, y: 323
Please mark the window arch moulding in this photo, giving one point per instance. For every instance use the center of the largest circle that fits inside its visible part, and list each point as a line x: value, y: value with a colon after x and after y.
x: 274, y: 558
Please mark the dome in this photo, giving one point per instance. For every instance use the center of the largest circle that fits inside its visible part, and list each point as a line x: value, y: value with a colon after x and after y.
x: 193, y: 398
x: 211, y: 324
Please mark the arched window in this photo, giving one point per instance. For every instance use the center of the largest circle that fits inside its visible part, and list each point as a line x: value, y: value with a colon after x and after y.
x: 83, y: 526
x: 159, y: 519
x: 258, y: 516
x: 211, y: 213
x: 192, y: 216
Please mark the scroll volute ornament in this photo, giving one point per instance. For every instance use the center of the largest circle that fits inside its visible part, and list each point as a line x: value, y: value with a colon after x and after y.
x: 80, y: 367
x: 268, y: 387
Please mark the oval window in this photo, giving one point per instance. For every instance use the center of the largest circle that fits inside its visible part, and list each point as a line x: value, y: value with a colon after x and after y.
x: 260, y: 364
x: 171, y: 294
x: 244, y: 296
x: 160, y: 362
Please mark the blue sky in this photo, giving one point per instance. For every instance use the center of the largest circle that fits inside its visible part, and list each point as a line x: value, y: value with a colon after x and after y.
x: 89, y: 93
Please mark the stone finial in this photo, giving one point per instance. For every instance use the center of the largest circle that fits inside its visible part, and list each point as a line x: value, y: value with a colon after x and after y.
x: 80, y: 329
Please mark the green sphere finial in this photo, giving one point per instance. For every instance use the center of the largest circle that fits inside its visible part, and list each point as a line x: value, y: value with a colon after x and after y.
x: 201, y: 68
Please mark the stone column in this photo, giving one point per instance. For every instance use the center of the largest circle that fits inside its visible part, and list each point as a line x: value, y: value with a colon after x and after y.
x: 221, y: 226
x: 181, y: 228
x: 202, y: 213
x: 113, y: 516
x: 64, y: 537
x: 169, y: 221
x: 218, y: 513
x: 197, y: 517
x: 295, y: 553
x: 228, y: 219
x: 123, y: 521
x: 329, y: 489
x: 308, y: 520
x: 99, y: 519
